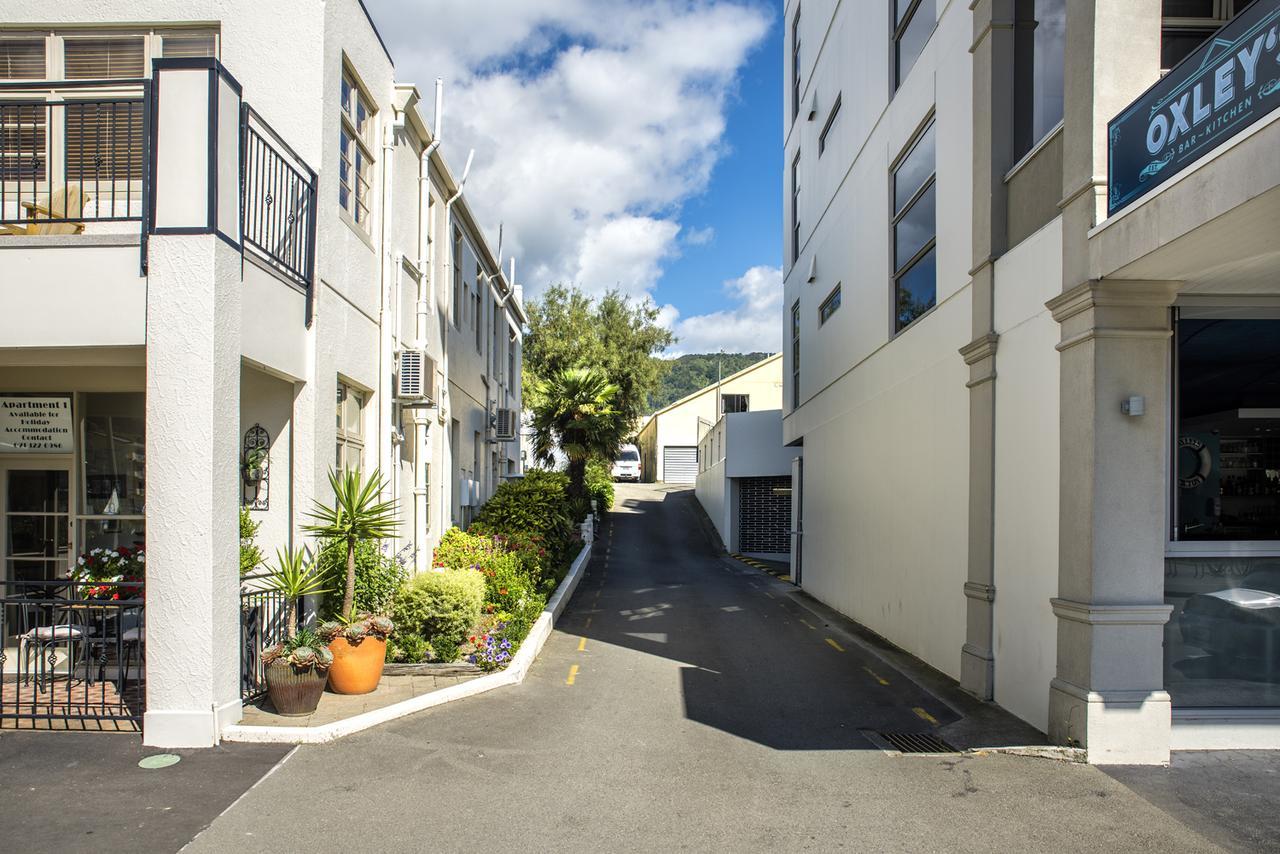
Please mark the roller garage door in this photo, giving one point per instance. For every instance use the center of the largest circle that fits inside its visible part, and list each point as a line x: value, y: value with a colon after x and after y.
x: 679, y: 464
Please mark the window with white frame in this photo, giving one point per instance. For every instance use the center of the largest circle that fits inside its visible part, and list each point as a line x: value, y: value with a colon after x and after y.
x: 915, y: 230
x: 350, y: 427
x: 355, y: 166
x: 1187, y: 23
x: 913, y: 22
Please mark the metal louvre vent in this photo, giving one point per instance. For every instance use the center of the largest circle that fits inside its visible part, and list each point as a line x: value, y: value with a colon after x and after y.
x: 415, y: 376
x: 505, y: 425
x: 916, y: 742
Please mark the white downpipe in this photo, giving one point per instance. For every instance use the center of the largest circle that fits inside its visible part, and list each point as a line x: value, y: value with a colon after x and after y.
x: 387, y: 319
x: 449, y: 267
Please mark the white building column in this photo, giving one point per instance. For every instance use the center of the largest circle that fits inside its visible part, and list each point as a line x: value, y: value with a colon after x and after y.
x: 193, y: 408
x: 1108, y: 696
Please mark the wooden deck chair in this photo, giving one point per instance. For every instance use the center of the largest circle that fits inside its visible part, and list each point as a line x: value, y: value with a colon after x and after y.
x: 68, y: 204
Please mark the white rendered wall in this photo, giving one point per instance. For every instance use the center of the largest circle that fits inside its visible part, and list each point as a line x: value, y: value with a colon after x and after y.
x: 268, y: 401
x: 1026, y: 474
x: 754, y: 445
x: 712, y: 492
x: 273, y: 323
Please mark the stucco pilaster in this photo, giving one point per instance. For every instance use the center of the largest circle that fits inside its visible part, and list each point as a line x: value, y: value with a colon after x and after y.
x: 1108, y: 695
x: 193, y: 490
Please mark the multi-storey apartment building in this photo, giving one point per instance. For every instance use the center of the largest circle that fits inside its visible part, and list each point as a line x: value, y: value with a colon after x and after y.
x: 230, y: 262
x: 1031, y: 308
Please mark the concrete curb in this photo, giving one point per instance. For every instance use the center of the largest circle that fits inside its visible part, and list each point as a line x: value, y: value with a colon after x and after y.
x: 513, y: 675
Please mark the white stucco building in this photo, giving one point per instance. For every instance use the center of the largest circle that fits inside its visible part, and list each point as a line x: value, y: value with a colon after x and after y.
x: 1040, y: 437
x: 216, y: 240
x: 668, y: 439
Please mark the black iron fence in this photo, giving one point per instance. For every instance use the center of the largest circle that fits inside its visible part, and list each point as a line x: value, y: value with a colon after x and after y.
x: 72, y: 153
x: 73, y: 654
x: 279, y: 206
x: 263, y: 623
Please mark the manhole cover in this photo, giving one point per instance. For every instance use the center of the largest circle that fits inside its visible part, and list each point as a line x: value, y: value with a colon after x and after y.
x: 159, y: 760
x: 916, y: 742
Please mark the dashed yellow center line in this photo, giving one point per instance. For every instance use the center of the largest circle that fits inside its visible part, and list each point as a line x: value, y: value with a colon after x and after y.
x: 770, y: 595
x: 573, y: 674
x: 876, y: 676
x: 809, y: 624
x: 837, y: 647
x: 588, y: 621
x: 582, y: 644
x: 925, y: 716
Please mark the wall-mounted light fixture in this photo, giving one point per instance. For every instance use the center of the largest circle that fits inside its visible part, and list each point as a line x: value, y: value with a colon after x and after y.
x: 1134, y: 406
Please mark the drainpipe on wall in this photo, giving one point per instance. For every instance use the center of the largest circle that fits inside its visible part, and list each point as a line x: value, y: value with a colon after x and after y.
x: 449, y: 267
x: 422, y: 334
x: 387, y: 321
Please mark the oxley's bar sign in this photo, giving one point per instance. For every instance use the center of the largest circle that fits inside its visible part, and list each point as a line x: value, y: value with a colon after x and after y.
x: 1227, y: 84
x: 35, y: 425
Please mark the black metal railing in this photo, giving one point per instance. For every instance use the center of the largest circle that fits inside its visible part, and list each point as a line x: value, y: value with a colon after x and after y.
x: 263, y: 623
x: 73, y: 654
x: 72, y: 153
x: 279, y: 202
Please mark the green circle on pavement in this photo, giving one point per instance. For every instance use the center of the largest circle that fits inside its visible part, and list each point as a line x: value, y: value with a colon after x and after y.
x: 159, y: 760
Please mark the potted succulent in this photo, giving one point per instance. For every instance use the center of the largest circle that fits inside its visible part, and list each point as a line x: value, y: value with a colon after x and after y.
x: 359, y: 650
x: 358, y: 643
x: 255, y: 460
x: 296, y: 670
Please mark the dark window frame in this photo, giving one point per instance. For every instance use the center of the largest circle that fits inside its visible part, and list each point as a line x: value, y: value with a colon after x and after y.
x: 795, y: 355
x: 795, y: 64
x: 795, y: 207
x: 744, y: 399
x: 901, y: 270
x: 831, y: 120
x: 830, y: 305
x: 899, y: 30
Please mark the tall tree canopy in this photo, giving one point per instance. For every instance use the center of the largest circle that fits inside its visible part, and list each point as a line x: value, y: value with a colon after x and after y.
x: 621, y: 336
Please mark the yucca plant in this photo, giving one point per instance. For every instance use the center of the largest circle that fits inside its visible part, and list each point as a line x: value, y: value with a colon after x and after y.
x: 294, y: 576
x: 358, y: 513
x: 576, y: 410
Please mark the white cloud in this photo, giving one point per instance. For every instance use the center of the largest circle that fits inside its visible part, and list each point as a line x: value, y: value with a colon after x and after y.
x: 699, y: 236
x: 592, y: 120
x: 753, y: 325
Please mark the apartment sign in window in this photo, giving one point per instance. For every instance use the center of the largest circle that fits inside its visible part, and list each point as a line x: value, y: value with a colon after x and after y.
x: 35, y: 425
x: 1227, y: 84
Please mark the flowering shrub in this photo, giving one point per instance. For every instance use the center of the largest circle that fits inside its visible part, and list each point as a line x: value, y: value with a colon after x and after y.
x: 493, y: 650
x: 439, y: 607
x: 101, y: 569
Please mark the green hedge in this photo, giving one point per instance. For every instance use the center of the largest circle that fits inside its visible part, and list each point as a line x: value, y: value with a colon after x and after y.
x: 531, y: 511
x: 600, y: 484
x: 441, y: 608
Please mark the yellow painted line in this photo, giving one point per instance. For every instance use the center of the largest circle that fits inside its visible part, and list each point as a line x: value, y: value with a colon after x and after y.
x: 785, y: 577
x: 876, y: 676
x: 582, y: 644
x: 588, y: 621
x: 573, y: 674
x: 925, y: 716
x: 837, y: 647
x: 770, y: 595
x: 809, y: 624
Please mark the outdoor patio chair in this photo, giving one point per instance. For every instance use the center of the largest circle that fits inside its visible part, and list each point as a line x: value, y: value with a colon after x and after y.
x: 44, y: 641
x: 66, y: 205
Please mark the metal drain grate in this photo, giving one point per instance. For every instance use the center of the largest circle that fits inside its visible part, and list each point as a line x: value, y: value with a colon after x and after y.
x: 916, y: 742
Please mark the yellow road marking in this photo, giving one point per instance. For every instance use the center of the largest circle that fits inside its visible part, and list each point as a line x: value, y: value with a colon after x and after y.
x: 809, y: 624
x: 588, y: 621
x: 582, y: 644
x: 837, y: 647
x: 770, y: 595
x: 876, y: 676
x: 573, y: 674
x: 925, y: 716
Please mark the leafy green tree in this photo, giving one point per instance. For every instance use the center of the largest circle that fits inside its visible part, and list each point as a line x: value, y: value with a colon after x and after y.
x: 576, y: 411
x: 358, y: 513
x: 621, y: 336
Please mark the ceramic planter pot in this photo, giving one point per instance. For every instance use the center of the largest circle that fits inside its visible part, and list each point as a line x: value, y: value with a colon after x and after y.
x: 292, y: 691
x: 357, y: 667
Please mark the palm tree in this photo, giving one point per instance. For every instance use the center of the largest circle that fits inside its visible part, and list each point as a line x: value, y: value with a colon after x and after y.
x: 358, y: 513
x: 575, y: 410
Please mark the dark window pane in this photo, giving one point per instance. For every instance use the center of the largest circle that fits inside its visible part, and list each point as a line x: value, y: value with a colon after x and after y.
x: 901, y: 7
x: 1176, y: 45
x: 114, y: 454
x: 914, y: 170
x: 917, y: 290
x: 916, y: 228
x: 913, y: 39
x: 37, y: 492
x: 1188, y: 8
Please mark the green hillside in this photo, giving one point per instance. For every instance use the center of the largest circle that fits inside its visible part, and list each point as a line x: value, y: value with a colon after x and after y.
x: 688, y: 373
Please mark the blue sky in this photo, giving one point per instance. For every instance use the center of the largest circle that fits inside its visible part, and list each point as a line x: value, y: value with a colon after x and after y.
x: 631, y: 144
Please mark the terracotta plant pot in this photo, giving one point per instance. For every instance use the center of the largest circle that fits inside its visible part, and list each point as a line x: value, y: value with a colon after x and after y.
x: 357, y: 667
x: 294, y: 692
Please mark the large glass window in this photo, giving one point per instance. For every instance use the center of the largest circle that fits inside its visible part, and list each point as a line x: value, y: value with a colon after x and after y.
x: 1187, y: 23
x: 114, y: 480
x: 1039, y: 43
x: 913, y: 22
x: 795, y: 355
x: 795, y: 64
x: 355, y: 165
x: 914, y: 231
x: 350, y: 427
x: 730, y: 403
x: 795, y: 208
x: 1222, y: 643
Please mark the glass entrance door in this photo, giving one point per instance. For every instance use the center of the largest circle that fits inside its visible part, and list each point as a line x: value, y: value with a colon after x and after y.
x: 34, y: 522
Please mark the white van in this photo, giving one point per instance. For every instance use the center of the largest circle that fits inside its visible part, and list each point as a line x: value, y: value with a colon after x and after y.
x: 626, y: 464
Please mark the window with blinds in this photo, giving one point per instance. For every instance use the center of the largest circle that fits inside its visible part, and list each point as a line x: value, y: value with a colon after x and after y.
x: 22, y: 59
x: 188, y: 44
x: 104, y: 58
x: 23, y: 142
x: 104, y: 141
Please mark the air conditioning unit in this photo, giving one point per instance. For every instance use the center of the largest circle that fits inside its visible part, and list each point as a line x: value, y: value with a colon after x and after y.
x: 505, y: 425
x: 415, y: 378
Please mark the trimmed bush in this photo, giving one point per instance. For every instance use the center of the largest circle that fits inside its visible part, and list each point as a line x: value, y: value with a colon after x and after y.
x: 600, y: 484
x: 439, y: 607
